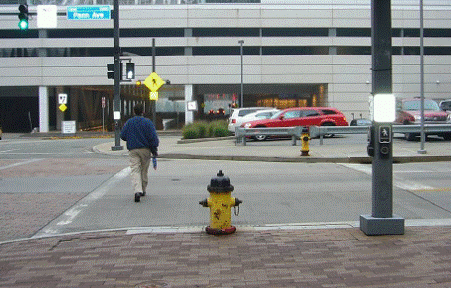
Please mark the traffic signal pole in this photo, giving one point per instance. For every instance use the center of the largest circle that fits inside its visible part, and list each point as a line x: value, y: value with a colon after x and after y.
x: 381, y: 221
x: 117, y: 79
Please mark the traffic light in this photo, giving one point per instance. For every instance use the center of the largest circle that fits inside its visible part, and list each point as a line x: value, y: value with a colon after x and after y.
x: 23, y: 17
x: 110, y: 73
x: 129, y: 70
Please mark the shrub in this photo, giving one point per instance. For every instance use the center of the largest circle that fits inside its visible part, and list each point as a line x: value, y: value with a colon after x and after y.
x: 202, y: 129
x: 218, y: 129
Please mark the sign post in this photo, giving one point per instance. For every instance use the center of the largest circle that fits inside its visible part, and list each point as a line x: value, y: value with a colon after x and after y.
x: 103, y: 114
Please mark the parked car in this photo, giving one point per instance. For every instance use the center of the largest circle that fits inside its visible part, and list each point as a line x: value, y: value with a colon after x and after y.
x: 259, y: 115
x: 1, y: 132
x: 408, y: 111
x: 235, y: 119
x: 445, y: 105
x: 301, y: 116
x: 361, y: 122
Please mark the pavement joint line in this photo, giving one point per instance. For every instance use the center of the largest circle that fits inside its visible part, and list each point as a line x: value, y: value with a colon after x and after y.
x: 242, y: 228
x: 69, y: 215
x: 21, y: 163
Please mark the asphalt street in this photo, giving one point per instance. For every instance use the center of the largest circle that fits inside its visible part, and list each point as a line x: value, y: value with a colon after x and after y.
x: 74, y: 223
x: 76, y: 189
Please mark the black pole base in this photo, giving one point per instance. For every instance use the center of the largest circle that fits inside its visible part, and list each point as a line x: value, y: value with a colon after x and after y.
x: 117, y: 148
x: 372, y: 226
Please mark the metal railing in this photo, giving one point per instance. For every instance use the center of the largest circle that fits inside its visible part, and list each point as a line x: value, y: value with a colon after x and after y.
x: 242, y: 133
x: 320, y: 131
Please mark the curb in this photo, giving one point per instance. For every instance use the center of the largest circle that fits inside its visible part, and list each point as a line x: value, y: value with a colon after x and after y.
x: 307, y: 159
x: 199, y: 140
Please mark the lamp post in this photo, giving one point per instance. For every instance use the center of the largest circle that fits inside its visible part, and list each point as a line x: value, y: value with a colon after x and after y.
x: 241, y: 86
x: 423, y: 136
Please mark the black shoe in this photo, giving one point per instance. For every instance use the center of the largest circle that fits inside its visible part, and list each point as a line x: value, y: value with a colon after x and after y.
x: 137, y: 196
x: 143, y: 194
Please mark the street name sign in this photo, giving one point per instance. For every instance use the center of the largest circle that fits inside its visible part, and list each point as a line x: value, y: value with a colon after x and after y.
x: 89, y: 12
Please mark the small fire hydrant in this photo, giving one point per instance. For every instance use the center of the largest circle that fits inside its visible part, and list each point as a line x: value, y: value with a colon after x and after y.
x: 220, y: 203
x: 305, y: 138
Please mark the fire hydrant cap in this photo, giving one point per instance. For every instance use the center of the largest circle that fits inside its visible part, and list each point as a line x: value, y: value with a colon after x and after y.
x: 220, y: 184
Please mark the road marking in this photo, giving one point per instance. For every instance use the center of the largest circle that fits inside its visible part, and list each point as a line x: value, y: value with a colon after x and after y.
x: 397, y: 181
x: 6, y: 151
x: 20, y: 163
x: 54, y: 227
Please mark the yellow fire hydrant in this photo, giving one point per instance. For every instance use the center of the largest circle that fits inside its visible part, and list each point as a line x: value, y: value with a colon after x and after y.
x: 305, y: 138
x: 220, y: 203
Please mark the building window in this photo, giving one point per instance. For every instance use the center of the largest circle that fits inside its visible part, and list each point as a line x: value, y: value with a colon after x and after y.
x: 226, y: 32
x: 352, y: 50
x: 296, y: 50
x: 164, y: 32
x: 437, y: 33
x: 80, y: 33
x: 353, y: 32
x: 295, y: 32
x: 214, y: 50
x: 17, y: 34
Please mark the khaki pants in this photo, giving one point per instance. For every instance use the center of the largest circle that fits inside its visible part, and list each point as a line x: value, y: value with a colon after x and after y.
x: 139, y: 164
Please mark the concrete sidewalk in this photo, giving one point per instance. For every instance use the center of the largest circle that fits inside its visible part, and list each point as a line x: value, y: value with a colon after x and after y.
x: 282, y: 151
x: 315, y: 255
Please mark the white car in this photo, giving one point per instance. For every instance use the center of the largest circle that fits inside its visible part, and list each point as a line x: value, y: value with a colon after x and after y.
x: 259, y: 115
x: 235, y: 119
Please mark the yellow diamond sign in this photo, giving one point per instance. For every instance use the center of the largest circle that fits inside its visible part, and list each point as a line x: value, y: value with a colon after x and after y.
x: 63, y: 107
x: 154, y: 82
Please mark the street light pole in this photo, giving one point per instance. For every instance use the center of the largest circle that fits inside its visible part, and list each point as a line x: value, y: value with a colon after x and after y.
x: 241, y: 86
x: 422, y: 134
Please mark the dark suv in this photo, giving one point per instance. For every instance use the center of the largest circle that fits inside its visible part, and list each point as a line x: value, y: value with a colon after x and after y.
x: 408, y: 111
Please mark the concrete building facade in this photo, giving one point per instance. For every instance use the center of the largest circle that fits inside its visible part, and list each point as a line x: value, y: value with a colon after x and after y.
x: 294, y: 53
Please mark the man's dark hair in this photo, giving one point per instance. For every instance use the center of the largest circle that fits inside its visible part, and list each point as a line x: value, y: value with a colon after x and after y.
x: 138, y: 109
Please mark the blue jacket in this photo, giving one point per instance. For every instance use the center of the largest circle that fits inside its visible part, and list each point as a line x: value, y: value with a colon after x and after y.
x: 139, y: 132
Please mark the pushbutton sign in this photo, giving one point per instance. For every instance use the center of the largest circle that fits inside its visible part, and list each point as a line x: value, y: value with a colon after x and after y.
x: 384, y: 134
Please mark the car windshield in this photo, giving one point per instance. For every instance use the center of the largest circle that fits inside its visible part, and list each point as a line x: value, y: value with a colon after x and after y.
x: 275, y: 116
x: 416, y: 105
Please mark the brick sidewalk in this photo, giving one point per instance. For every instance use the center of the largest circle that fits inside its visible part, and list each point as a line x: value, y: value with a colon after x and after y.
x: 288, y: 258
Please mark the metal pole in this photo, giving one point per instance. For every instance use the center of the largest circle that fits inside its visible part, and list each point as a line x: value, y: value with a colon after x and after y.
x: 117, y: 79
x: 422, y: 134
x: 241, y: 86
x: 381, y: 221
x: 153, y: 102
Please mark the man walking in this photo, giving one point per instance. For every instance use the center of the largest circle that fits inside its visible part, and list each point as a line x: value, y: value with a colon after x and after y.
x: 142, y: 143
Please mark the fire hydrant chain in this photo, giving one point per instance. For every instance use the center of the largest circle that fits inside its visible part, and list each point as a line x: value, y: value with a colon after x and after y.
x: 235, y: 210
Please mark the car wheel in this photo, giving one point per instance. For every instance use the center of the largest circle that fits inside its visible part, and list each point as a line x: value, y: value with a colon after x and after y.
x: 410, y: 136
x: 260, y: 137
x: 328, y: 135
x: 447, y: 136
